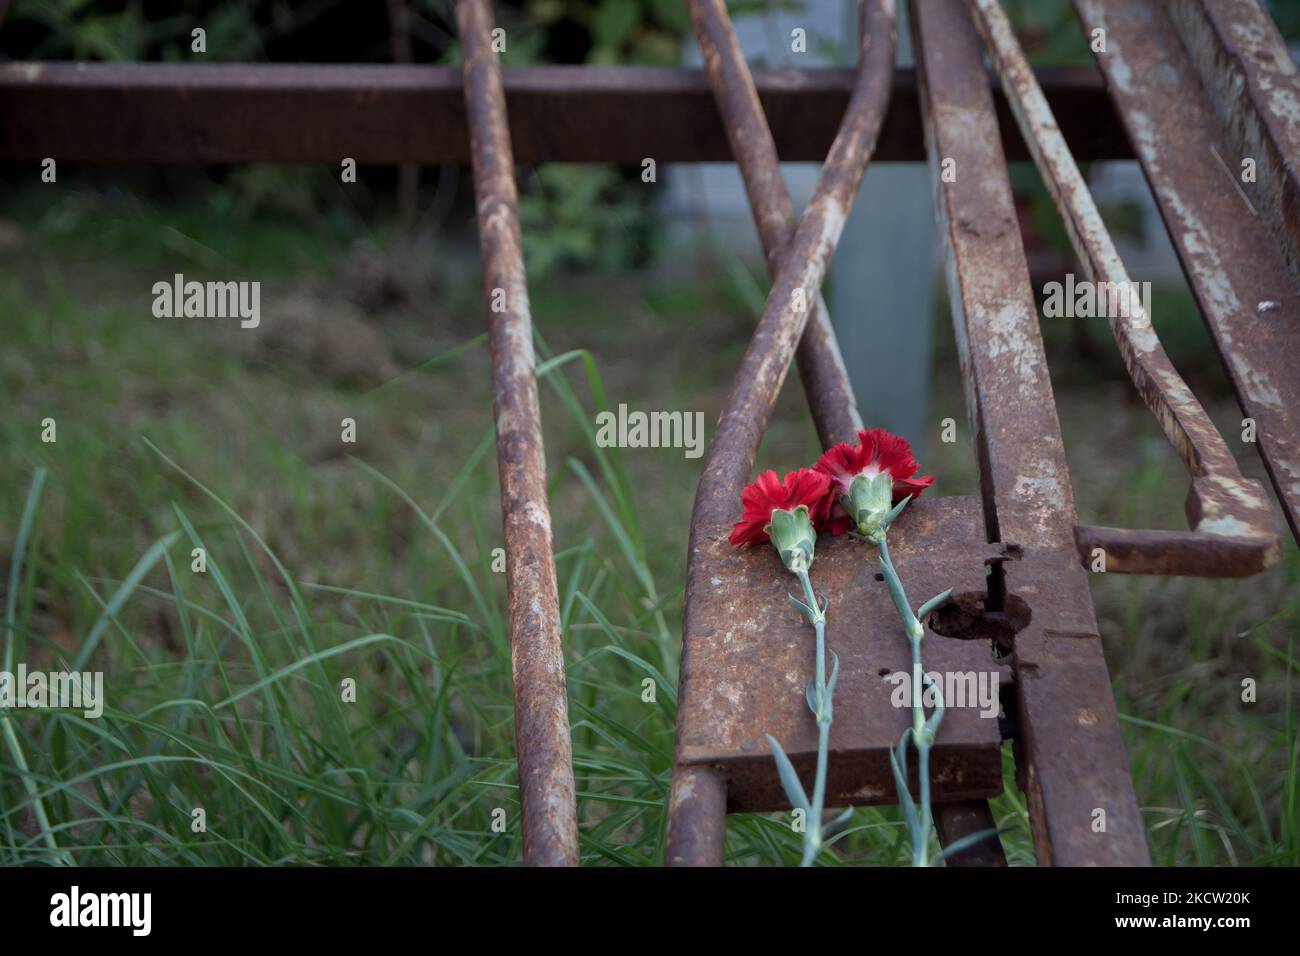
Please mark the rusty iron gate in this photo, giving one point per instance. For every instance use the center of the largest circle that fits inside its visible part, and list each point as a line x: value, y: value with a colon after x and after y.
x: 1190, y: 88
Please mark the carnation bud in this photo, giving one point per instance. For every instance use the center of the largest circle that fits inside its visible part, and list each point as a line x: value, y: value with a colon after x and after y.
x: 793, y: 537
x: 869, y: 502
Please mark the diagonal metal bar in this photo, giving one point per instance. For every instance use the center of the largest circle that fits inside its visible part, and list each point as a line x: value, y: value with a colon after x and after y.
x: 1068, y: 746
x: 695, y: 833
x: 1233, y: 532
x: 544, y: 748
x: 1180, y: 123
x: 821, y: 367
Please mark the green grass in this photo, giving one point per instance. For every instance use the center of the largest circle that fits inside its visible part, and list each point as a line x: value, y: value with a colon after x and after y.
x: 373, y: 562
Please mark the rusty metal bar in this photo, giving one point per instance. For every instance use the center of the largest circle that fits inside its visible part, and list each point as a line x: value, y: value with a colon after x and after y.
x: 767, y: 359
x: 956, y: 821
x: 1069, y: 751
x: 1254, y: 87
x: 821, y: 367
x: 192, y: 114
x: 1237, y: 268
x: 544, y: 749
x: 1233, y: 529
x: 697, y: 814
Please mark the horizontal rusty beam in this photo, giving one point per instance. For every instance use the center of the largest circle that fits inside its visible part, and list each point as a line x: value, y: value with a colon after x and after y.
x: 183, y: 113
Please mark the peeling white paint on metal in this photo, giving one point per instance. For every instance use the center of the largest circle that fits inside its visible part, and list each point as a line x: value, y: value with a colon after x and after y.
x: 1225, y: 526
x: 1243, y: 493
x: 833, y: 217
x: 1257, y: 385
x: 538, y: 515
x: 732, y: 692
x: 683, y: 788
x: 1043, y: 491
x: 1008, y: 332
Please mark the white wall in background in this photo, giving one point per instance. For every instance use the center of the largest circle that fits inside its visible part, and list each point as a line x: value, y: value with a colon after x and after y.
x: 882, y: 278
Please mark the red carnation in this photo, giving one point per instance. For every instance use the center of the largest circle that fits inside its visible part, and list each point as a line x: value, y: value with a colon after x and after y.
x: 768, y: 493
x: 878, y: 452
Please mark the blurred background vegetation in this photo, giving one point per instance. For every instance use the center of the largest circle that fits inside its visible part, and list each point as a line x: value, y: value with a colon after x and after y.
x: 374, y: 561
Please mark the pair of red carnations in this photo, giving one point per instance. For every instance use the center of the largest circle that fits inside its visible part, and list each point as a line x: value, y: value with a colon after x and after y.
x: 826, y: 488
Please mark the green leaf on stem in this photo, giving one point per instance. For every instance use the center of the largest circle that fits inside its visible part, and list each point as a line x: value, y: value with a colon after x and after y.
x: 968, y: 841
x: 935, y: 719
x: 838, y: 822
x: 895, y: 511
x: 808, y: 612
x: 898, y: 761
x: 789, y: 779
x: 931, y: 604
x: 810, y: 692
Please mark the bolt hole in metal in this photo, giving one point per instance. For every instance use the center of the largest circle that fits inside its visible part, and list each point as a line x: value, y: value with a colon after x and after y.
x: 966, y: 617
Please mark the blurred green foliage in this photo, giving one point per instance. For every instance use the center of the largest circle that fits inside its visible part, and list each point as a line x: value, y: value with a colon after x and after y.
x: 85, y: 30
x: 587, y: 217
x: 573, y: 217
x: 573, y: 31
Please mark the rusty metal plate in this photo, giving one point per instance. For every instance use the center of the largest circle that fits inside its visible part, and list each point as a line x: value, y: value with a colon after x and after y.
x: 751, y: 657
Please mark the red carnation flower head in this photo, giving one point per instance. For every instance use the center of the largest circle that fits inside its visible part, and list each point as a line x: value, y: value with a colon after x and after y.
x: 869, y: 479
x: 786, y: 513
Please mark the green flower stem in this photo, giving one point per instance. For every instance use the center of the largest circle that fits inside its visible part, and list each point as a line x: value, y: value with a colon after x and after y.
x: 794, y: 537
x: 812, y: 841
x: 922, y: 731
